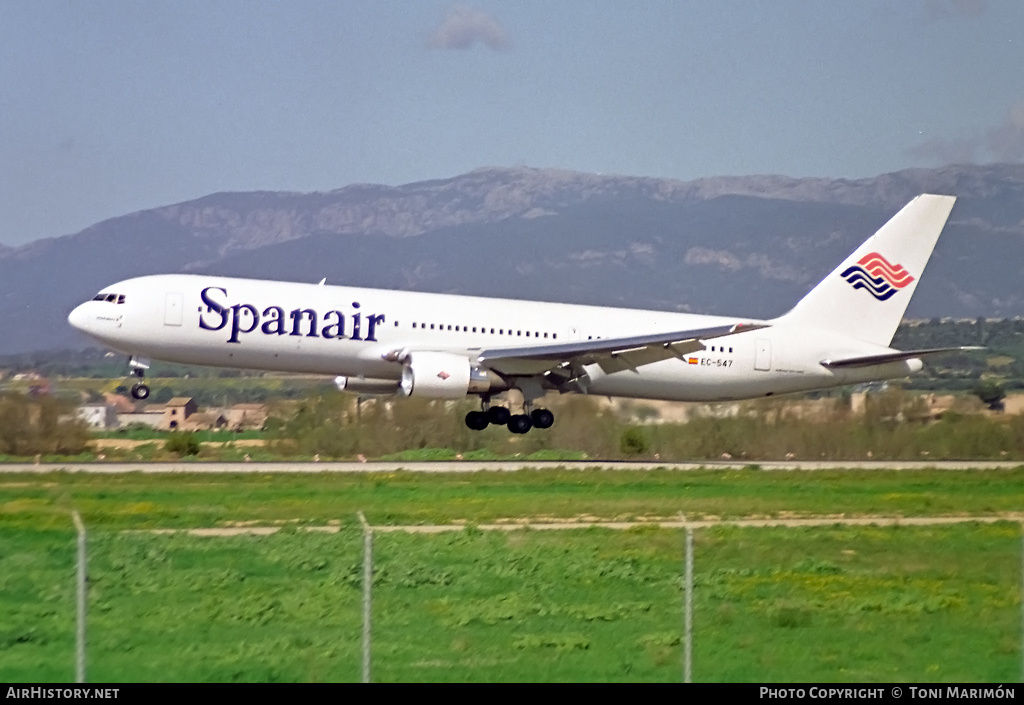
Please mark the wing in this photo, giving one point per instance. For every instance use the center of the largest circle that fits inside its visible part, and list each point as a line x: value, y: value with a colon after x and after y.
x: 894, y: 356
x: 612, y: 354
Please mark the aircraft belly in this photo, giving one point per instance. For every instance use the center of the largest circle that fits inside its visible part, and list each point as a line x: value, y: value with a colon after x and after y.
x: 705, y: 380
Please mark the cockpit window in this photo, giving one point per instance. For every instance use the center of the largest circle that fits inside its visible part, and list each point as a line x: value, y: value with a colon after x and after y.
x: 110, y: 298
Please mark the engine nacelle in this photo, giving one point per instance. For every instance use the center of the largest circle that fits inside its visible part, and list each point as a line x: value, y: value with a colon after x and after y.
x: 367, y: 385
x: 439, y: 375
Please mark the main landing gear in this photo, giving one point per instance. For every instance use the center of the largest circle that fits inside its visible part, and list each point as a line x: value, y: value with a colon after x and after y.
x: 138, y: 370
x: 501, y: 416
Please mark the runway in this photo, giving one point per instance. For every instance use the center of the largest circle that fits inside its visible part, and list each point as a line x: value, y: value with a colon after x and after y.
x: 462, y: 466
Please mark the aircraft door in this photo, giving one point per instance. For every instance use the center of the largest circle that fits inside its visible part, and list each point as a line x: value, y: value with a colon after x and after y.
x: 173, y: 309
x: 763, y: 354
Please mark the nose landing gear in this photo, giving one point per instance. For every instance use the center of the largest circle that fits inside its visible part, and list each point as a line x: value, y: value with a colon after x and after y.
x: 138, y: 366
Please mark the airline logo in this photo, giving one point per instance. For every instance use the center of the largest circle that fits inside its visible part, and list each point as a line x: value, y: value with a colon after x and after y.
x: 878, y: 276
x: 244, y: 318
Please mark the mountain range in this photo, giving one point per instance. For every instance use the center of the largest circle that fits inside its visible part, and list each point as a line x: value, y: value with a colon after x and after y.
x: 748, y: 246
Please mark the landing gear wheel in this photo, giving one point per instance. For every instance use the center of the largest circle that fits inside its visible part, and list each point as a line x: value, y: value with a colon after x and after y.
x: 542, y: 418
x: 477, y: 420
x: 499, y: 415
x: 140, y: 391
x: 520, y: 423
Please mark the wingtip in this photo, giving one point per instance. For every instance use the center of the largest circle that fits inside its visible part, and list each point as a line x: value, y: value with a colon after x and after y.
x: 742, y: 327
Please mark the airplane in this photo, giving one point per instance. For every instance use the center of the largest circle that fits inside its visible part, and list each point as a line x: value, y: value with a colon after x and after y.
x: 441, y: 346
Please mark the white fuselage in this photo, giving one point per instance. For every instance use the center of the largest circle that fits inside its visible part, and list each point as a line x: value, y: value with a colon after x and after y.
x: 335, y: 330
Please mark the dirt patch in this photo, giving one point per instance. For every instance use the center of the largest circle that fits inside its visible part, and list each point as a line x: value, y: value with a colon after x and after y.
x: 238, y: 531
x: 121, y: 443
x: 240, y: 443
x: 245, y: 528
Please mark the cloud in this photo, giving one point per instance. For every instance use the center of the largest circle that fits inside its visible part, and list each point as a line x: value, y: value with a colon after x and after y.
x: 1001, y: 143
x: 945, y: 150
x: 463, y: 26
x: 1006, y: 140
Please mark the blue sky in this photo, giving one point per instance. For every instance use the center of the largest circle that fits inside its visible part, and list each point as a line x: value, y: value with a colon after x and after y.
x: 113, y: 106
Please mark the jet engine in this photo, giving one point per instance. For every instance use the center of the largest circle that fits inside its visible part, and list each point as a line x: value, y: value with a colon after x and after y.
x: 439, y: 375
x: 367, y: 385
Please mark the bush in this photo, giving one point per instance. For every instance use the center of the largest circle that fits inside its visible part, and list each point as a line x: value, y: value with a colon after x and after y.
x: 634, y: 441
x: 991, y: 393
x: 182, y: 443
x: 40, y: 425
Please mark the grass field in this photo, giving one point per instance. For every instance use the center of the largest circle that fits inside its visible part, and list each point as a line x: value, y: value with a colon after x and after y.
x: 831, y: 603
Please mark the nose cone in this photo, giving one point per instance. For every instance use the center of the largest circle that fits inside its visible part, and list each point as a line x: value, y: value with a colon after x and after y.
x: 79, y: 318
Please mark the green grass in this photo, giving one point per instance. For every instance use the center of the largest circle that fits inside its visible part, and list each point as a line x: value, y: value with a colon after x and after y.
x: 833, y: 604
x: 136, y: 500
x: 37, y: 605
x: 827, y: 604
x: 860, y: 604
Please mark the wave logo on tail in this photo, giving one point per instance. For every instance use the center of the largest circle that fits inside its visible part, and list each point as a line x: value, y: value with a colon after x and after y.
x: 877, y: 276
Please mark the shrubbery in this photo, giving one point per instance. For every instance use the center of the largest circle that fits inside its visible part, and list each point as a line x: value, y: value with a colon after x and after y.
x: 42, y: 425
x: 893, y: 425
x: 182, y: 443
x: 634, y: 441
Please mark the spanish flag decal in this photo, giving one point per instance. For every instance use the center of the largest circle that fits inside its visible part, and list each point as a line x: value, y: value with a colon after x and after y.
x: 692, y: 360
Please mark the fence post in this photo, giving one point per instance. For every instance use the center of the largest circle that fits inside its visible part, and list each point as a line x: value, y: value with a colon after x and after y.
x: 688, y: 636
x: 81, y: 595
x: 367, y: 586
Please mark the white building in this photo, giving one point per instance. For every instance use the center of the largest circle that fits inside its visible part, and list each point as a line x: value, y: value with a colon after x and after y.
x: 98, y: 415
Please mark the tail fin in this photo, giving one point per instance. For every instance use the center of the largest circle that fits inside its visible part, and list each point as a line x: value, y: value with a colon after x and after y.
x: 865, y: 297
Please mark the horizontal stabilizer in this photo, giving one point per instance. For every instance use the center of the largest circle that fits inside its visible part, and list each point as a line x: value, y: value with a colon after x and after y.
x: 894, y: 356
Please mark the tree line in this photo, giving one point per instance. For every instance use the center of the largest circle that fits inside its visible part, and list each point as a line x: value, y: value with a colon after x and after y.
x: 40, y: 425
x: 893, y: 425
